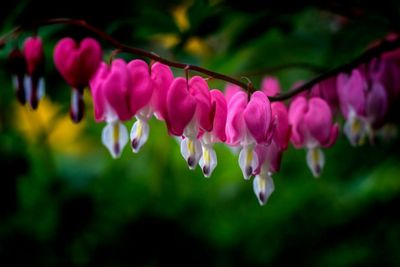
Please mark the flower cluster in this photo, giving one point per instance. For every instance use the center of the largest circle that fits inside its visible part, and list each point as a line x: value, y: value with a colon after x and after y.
x: 199, y: 117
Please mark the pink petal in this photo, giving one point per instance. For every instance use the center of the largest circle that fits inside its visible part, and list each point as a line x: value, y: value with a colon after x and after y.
x: 200, y: 92
x: 77, y: 63
x: 33, y: 53
x: 162, y: 77
x: 231, y: 90
x: 318, y: 120
x: 351, y: 92
x: 258, y: 117
x: 221, y: 110
x: 270, y: 86
x: 140, y: 89
x: 327, y: 90
x: 181, y: 106
x: 297, y: 110
x: 377, y: 104
x: 95, y: 87
x: 115, y: 88
x: 235, y: 125
x: 282, y: 128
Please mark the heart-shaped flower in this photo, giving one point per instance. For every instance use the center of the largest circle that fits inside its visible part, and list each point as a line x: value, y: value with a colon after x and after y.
x: 77, y: 63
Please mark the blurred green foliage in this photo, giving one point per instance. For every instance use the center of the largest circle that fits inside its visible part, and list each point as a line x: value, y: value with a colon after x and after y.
x: 64, y: 201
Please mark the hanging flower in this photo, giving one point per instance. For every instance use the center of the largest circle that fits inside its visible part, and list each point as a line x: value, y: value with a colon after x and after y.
x: 77, y: 63
x: 140, y: 92
x: 312, y: 128
x: 110, y: 90
x: 248, y: 124
x: 34, y: 82
x: 189, y: 111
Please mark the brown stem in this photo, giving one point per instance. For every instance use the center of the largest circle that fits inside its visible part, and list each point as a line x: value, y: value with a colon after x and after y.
x: 363, y: 58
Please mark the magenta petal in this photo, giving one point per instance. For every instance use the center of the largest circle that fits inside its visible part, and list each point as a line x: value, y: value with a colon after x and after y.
x: 33, y: 53
x: 181, y: 107
x: 258, y: 117
x: 261, y: 151
x: 318, y: 120
x: 77, y: 63
x: 327, y: 90
x: 377, y: 104
x: 333, y: 136
x: 201, y: 93
x: 90, y: 56
x: 235, y: 125
x: 140, y: 89
x: 270, y: 86
x: 162, y: 77
x: 351, y: 92
x: 231, y: 90
x: 281, y: 128
x: 221, y: 111
x: 296, y: 115
x: 115, y: 88
x: 97, y: 93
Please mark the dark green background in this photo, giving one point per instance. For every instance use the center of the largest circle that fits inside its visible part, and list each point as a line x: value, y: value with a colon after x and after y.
x: 85, y: 209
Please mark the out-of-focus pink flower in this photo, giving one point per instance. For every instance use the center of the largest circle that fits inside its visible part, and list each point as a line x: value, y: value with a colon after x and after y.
x: 270, y: 86
x: 77, y: 63
x: 231, y: 90
x: 34, y: 82
x: 363, y: 101
x: 327, y: 90
x: 312, y: 128
x: 248, y: 123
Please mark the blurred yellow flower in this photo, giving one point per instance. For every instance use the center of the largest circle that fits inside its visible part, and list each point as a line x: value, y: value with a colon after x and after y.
x: 57, y: 129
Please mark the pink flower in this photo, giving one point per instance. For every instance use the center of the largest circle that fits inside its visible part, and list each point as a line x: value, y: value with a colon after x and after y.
x: 110, y: 89
x: 208, y: 160
x: 312, y: 128
x: 140, y: 93
x: 189, y: 112
x: 248, y: 123
x: 269, y: 155
x: 34, y: 82
x: 77, y: 63
x: 363, y: 101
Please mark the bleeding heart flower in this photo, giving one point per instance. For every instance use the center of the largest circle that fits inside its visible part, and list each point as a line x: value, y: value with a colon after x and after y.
x: 34, y: 82
x: 189, y: 112
x: 248, y: 123
x: 140, y: 93
x: 270, y: 155
x: 312, y: 128
x: 77, y: 63
x: 110, y: 89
